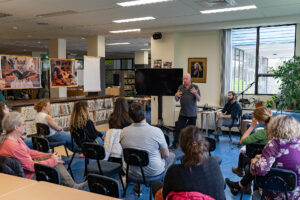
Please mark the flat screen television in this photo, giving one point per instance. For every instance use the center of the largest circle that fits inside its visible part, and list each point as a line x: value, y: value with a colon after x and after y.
x: 158, y: 82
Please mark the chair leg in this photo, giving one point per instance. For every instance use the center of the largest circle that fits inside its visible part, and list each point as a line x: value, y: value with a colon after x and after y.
x: 69, y: 165
x: 52, y: 149
x: 150, y: 192
x: 125, y: 190
x: 242, y: 194
x: 139, y: 190
x: 66, y: 151
x: 120, y: 176
x: 230, y: 135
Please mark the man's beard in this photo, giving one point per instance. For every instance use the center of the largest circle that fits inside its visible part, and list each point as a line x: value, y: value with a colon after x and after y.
x: 230, y: 99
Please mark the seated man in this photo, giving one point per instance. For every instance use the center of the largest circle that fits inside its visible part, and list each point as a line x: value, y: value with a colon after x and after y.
x: 229, y: 113
x: 140, y: 135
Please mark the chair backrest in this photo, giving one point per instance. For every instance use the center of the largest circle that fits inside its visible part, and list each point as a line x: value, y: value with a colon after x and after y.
x: 40, y: 144
x: 75, y: 136
x: 167, y: 139
x: 11, y: 166
x: 136, y: 157
x: 93, y: 151
x: 211, y: 143
x: 46, y: 173
x: 253, y: 149
x: 277, y: 180
x: 42, y: 129
x: 103, y: 185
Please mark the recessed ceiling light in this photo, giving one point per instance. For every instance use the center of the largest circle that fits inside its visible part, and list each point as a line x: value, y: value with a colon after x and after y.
x: 126, y: 31
x: 15, y: 27
x: 228, y: 9
x: 140, y: 2
x: 83, y: 38
x: 133, y: 19
x: 118, y: 43
x: 39, y: 42
x: 30, y: 36
x: 145, y: 49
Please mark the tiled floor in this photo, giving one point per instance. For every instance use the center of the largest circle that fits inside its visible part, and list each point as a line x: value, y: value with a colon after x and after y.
x: 224, y: 149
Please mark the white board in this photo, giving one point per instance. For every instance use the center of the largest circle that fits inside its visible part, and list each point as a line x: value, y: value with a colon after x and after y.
x: 91, y: 74
x: 80, y: 77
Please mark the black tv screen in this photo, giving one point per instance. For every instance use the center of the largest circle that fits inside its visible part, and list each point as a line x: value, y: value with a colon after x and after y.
x: 158, y: 82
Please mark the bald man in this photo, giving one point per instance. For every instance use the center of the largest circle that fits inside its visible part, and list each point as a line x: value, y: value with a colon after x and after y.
x: 189, y: 95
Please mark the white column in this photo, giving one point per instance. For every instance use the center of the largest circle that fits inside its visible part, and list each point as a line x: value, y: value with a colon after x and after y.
x: 96, y: 46
x: 58, y: 49
x: 141, y: 57
x: 297, y: 40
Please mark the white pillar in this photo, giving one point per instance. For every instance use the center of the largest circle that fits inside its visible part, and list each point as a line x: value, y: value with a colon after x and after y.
x: 58, y: 49
x: 141, y: 57
x: 297, y: 40
x: 96, y: 46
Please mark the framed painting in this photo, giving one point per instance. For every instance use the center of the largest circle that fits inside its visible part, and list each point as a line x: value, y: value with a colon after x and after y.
x: 197, y: 67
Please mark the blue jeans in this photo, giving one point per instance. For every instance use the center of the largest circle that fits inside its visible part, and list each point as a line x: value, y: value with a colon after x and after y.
x: 62, y: 136
x: 28, y: 142
x: 99, y: 141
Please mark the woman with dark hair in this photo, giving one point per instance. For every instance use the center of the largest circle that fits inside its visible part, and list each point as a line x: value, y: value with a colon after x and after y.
x: 118, y: 120
x: 80, y: 122
x: 197, y: 172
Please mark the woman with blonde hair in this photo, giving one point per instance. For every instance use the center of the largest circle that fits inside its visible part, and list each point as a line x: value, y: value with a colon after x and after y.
x: 57, y: 133
x: 81, y: 123
x: 261, y: 116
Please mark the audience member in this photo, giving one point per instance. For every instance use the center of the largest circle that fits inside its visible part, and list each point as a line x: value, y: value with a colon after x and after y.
x: 57, y: 134
x: 282, y: 151
x: 117, y: 121
x: 141, y: 135
x: 229, y: 113
x: 2, y: 86
x: 11, y: 145
x: 197, y: 171
x: 261, y: 116
x: 4, y: 111
x: 83, y: 125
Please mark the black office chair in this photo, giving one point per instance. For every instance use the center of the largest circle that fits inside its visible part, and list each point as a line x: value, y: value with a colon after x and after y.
x: 75, y: 148
x: 212, y: 147
x: 11, y: 166
x: 235, y: 124
x: 46, y: 173
x: 103, y: 185
x: 40, y: 144
x: 139, y: 158
x: 99, y: 166
x: 277, y: 180
x: 43, y: 130
x: 254, y: 149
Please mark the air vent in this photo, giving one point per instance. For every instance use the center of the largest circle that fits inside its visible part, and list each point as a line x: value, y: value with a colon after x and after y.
x: 55, y: 14
x: 4, y: 15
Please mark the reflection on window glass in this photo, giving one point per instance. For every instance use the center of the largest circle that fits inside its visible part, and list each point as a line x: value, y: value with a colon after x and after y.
x: 243, y: 59
x: 268, y: 85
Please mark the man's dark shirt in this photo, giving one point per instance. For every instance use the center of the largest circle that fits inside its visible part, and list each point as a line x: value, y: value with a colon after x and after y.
x: 232, y: 109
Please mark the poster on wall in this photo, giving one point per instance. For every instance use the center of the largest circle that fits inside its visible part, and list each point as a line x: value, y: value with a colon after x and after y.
x: 197, y: 67
x: 63, y: 73
x: 91, y: 74
x: 167, y: 65
x: 21, y: 72
x: 157, y: 63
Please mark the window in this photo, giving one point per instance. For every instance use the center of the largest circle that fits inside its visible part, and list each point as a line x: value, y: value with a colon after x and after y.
x: 257, y: 50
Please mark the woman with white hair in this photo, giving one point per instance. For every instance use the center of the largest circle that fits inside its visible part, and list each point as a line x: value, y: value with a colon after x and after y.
x: 282, y: 151
x: 11, y: 145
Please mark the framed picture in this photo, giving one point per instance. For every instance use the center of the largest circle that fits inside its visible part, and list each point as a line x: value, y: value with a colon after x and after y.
x: 198, y: 69
x: 63, y: 73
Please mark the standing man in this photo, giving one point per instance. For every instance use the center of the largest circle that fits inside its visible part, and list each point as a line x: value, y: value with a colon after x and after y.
x: 229, y: 113
x: 189, y: 95
x: 2, y: 86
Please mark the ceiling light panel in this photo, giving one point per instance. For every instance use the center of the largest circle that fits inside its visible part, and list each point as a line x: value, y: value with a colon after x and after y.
x: 228, y: 9
x: 140, y: 2
x: 126, y: 31
x: 133, y: 19
x: 118, y: 43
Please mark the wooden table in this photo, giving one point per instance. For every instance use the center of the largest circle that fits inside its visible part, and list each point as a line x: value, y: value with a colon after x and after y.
x: 9, y: 183
x: 49, y: 191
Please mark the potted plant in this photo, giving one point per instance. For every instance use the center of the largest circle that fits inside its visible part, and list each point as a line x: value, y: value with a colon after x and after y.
x: 269, y: 103
x: 289, y: 76
x: 256, y: 102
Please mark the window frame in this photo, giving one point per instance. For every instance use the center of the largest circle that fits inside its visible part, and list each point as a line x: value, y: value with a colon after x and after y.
x: 258, y: 75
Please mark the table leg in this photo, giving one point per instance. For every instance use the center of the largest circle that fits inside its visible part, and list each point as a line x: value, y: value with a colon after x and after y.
x: 215, y: 124
x: 202, y: 122
x: 206, y: 124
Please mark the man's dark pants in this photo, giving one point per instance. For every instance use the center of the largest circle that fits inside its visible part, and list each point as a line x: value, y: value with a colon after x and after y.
x: 181, y: 124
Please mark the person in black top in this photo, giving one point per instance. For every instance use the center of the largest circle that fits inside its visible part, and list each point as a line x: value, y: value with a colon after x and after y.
x: 229, y: 113
x: 81, y: 123
x: 119, y: 118
x: 197, y: 172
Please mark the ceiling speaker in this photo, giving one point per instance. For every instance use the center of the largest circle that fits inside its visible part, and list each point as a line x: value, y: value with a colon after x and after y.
x: 157, y: 36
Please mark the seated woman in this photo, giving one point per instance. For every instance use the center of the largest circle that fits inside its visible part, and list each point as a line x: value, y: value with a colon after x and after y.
x: 4, y: 111
x: 11, y: 145
x: 197, y: 171
x: 281, y: 152
x: 118, y: 120
x: 81, y: 123
x: 43, y: 109
x: 261, y: 116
